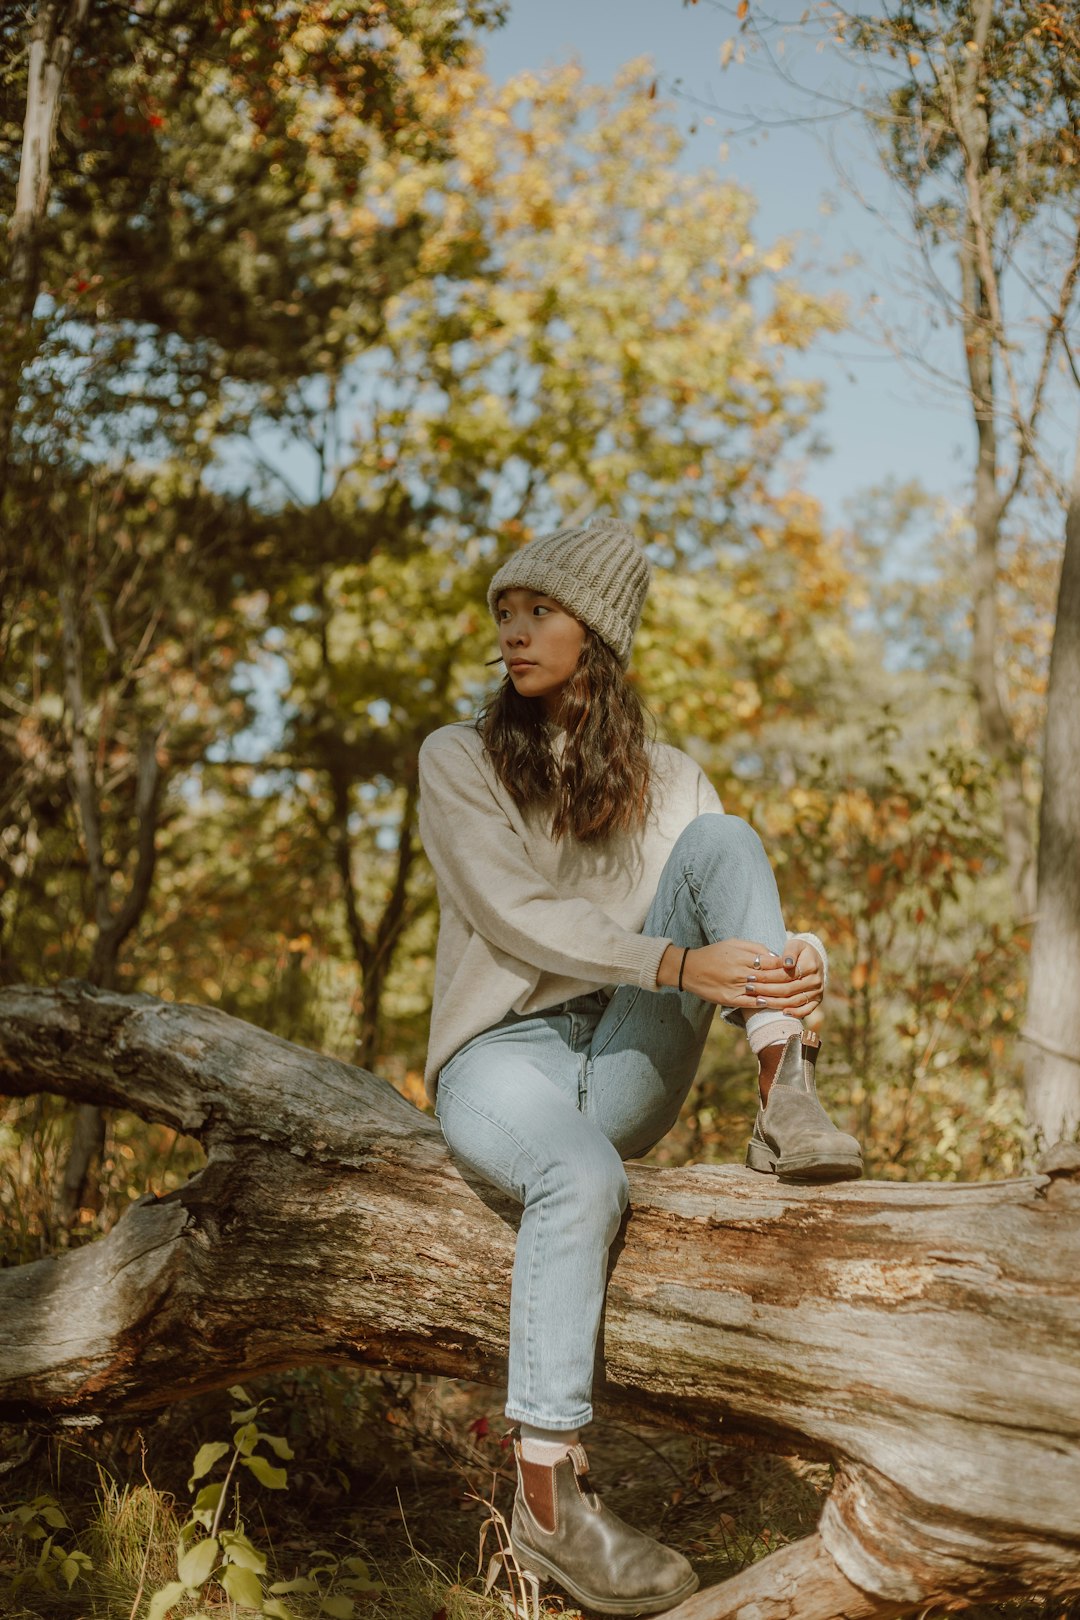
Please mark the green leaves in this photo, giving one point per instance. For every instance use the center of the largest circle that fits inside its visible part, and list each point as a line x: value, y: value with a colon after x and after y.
x: 239, y: 1550
x: 53, y: 1563
x: 206, y: 1504
x: 274, y: 1479
x: 165, y: 1599
x: 243, y: 1585
x: 196, y: 1564
x: 279, y: 1445
x: 338, y: 1608
x: 205, y: 1458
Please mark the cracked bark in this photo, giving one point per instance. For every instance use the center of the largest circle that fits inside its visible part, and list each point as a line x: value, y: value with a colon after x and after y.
x: 926, y: 1338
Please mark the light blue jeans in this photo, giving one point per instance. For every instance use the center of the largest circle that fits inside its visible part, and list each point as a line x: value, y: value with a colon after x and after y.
x: 547, y: 1107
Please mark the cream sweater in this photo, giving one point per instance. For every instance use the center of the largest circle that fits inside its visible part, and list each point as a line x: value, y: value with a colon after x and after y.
x: 525, y: 922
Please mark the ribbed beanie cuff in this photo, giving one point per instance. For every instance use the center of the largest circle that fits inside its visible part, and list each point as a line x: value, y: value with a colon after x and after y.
x: 599, y: 574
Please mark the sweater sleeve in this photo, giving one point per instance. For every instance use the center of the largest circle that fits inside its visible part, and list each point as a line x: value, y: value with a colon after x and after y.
x: 481, y: 863
x: 708, y: 800
x: 812, y: 939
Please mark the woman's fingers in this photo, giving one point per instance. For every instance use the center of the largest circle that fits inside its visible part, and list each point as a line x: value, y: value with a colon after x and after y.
x: 746, y: 974
x: 769, y: 975
x: 771, y: 1000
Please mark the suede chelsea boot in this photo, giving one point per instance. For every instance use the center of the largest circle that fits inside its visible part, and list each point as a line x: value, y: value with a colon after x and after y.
x: 793, y: 1137
x: 561, y: 1531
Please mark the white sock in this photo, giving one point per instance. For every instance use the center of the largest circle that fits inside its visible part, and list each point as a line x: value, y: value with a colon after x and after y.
x: 767, y: 1028
x: 547, y: 1446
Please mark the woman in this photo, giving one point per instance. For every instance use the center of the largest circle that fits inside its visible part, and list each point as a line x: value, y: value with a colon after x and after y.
x: 596, y: 906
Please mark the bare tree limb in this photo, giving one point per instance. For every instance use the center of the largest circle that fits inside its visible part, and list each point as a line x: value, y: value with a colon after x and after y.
x: 56, y: 26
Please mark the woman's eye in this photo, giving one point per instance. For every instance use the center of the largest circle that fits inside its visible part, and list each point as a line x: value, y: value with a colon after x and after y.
x: 539, y: 607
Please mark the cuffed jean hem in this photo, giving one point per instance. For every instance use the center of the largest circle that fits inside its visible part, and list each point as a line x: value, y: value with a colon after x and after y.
x: 544, y: 1420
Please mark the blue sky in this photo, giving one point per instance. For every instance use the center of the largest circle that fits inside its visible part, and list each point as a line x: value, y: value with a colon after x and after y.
x: 881, y: 420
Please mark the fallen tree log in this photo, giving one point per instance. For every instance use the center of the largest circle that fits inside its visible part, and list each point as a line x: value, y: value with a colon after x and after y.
x: 925, y: 1337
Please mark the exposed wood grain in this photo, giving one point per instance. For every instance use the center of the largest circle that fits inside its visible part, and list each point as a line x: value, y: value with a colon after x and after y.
x: 926, y: 1338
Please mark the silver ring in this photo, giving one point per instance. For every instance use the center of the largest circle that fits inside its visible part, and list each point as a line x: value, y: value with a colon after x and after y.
x: 757, y: 962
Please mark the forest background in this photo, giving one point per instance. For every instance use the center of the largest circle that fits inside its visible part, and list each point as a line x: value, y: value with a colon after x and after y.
x: 308, y: 322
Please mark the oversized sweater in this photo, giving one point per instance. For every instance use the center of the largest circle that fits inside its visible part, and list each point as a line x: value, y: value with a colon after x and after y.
x: 526, y: 922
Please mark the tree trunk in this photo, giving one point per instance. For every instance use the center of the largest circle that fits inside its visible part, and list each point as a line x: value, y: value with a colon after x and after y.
x: 53, y: 33
x: 987, y: 513
x: 926, y: 1338
x: 113, y: 928
x: 1052, y: 1069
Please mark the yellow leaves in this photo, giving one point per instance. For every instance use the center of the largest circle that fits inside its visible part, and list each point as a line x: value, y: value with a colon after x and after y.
x: 745, y: 699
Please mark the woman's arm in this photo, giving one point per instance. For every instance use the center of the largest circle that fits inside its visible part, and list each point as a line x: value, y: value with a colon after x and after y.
x: 483, y: 867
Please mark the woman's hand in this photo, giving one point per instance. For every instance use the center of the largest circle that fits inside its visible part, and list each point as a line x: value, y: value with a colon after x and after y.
x: 806, y: 973
x: 740, y: 973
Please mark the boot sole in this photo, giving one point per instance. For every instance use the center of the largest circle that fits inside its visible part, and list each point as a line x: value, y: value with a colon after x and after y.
x: 803, y: 1167
x: 533, y: 1564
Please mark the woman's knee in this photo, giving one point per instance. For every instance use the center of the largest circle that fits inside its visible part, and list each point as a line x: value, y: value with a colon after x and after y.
x: 521, y: 1132
x: 591, y: 1177
x: 725, y: 834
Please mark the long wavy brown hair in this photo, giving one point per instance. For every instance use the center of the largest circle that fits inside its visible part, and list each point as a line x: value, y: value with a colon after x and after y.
x: 601, y: 784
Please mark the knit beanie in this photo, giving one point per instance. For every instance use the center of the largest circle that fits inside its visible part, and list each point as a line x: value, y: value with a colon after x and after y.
x: 599, y: 574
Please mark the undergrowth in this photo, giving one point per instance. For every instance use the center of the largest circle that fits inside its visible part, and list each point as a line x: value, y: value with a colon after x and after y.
x: 395, y: 1497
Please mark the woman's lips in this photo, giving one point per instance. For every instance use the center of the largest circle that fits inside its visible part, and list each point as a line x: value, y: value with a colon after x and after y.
x: 521, y: 663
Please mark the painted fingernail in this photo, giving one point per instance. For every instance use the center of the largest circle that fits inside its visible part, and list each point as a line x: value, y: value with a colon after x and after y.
x: 761, y: 1001
x: 751, y: 978
x: 789, y: 961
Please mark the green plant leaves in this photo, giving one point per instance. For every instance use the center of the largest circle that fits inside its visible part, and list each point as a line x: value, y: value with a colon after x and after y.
x: 239, y: 1550
x: 246, y: 1438
x: 198, y: 1563
x: 165, y: 1599
x: 72, y: 1565
x: 275, y: 1479
x: 206, y: 1457
x: 243, y: 1586
x: 338, y: 1608
x: 280, y: 1445
x: 274, y: 1609
x: 206, y: 1504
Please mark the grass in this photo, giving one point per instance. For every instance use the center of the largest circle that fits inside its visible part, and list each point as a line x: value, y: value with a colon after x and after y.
x: 402, y: 1472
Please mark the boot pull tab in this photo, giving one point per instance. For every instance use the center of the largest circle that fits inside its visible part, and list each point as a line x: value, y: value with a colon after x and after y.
x: 811, y: 1046
x: 580, y: 1461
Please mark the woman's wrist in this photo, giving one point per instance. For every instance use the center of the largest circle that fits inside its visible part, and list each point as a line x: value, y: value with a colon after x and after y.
x: 672, y: 963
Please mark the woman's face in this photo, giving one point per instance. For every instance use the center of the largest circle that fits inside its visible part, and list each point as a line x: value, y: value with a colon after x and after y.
x: 540, y: 643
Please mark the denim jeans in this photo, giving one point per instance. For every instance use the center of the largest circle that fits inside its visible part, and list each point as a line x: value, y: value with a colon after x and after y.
x: 547, y: 1106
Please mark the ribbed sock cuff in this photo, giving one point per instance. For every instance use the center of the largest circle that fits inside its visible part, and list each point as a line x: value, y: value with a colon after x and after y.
x: 547, y: 1446
x: 767, y: 1028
